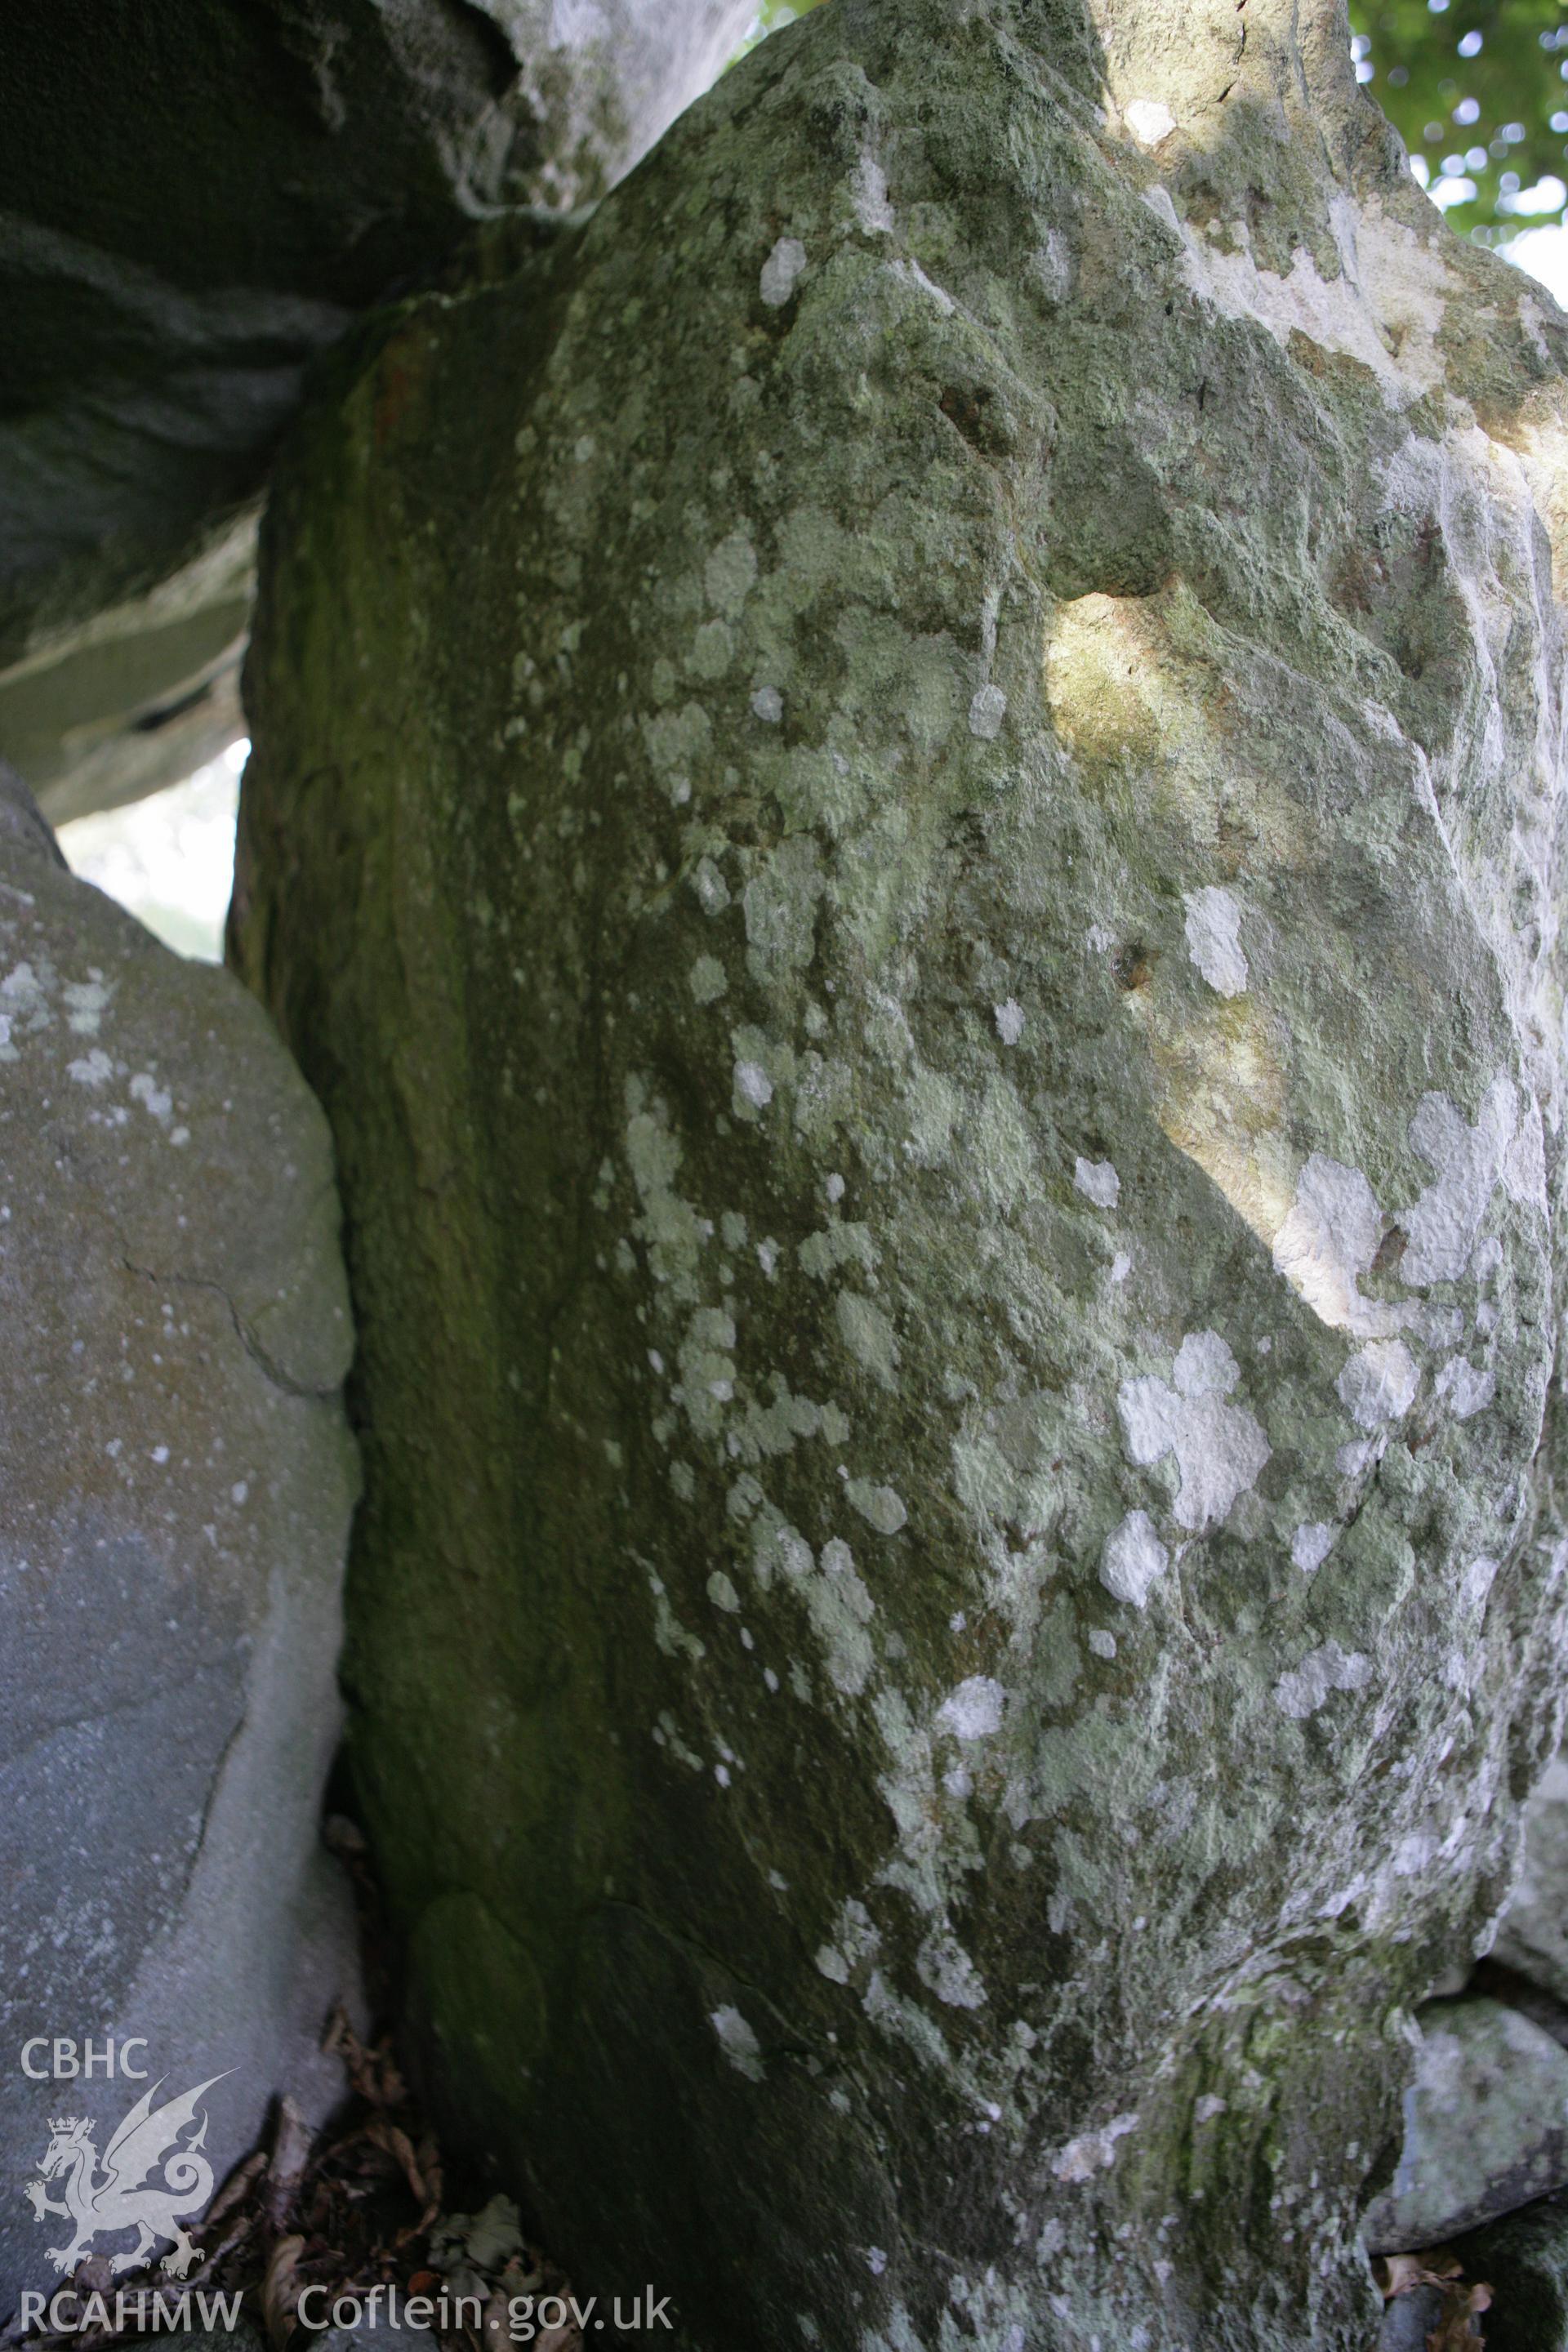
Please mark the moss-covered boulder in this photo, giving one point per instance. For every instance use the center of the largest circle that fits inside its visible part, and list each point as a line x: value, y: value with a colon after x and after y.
x: 905, y: 807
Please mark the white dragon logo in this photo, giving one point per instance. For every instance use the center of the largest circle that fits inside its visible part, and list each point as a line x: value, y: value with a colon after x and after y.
x: 120, y: 2195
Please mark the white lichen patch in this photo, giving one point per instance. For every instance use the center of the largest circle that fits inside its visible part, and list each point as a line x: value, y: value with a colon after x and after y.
x: 1009, y: 1019
x: 1474, y: 1587
x: 1219, y: 1448
x: 1328, y: 1241
x: 1149, y: 120
x: 779, y: 904
x: 156, y: 1100
x: 1097, y: 1180
x: 739, y: 2042
x: 911, y: 274
x: 869, y: 1335
x: 1444, y: 1223
x: 1312, y: 1544
x: 24, y: 991
x: 1379, y: 1384
x: 1133, y: 1559
x: 707, y: 979
x: 856, y: 1941
x: 677, y: 742
x: 846, y: 1242
x: 987, y: 708
x: 673, y: 1638
x: 1405, y: 282
x: 1323, y: 1670
x: 975, y: 1710
x: 780, y: 271
x: 1214, y: 939
x: 942, y: 1963
x: 840, y: 1607
x: 729, y: 577
x: 670, y: 1227
x: 1465, y: 1387
x: 1093, y: 2151
x: 86, y: 1002
x: 869, y: 193
x: 712, y: 890
x: 882, y: 1506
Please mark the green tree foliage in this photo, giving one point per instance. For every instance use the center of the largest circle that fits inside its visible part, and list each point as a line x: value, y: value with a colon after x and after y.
x: 771, y: 17
x: 1479, y: 91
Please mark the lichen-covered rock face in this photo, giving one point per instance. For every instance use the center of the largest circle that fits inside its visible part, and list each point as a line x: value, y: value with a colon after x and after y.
x: 906, y: 811
x: 192, y: 207
x: 173, y: 1517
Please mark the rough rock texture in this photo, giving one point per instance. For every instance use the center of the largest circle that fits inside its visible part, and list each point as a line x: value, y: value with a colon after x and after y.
x: 172, y: 1522
x: 1533, y: 1935
x: 1486, y: 2126
x: 193, y: 202
x: 906, y: 810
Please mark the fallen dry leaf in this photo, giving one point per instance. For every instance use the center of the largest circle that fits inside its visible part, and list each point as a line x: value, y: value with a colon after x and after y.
x: 396, y: 2144
x: 1457, y: 2331
x: 291, y: 2154
x: 373, y: 2072
x: 281, y: 2291
x: 1398, y: 2273
x: 236, y: 2189
x: 351, y: 2207
x: 1436, y: 2266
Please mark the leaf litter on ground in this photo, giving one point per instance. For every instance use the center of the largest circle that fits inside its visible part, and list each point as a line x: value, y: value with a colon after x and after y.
x: 357, y: 2205
x: 360, y: 2203
x: 1457, y: 2329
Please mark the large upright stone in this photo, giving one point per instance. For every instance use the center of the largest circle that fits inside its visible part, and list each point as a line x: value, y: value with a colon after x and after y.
x: 193, y: 202
x: 907, y: 812
x: 174, y: 1514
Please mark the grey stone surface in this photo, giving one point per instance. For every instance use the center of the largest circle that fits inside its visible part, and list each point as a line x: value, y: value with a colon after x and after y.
x: 1409, y: 2319
x: 141, y: 694
x: 177, y: 1484
x: 1533, y: 1935
x: 1486, y: 2126
x: 194, y: 202
x: 906, y: 807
